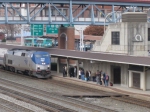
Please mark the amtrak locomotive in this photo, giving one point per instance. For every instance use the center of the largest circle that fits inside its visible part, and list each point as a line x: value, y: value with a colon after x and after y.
x: 33, y: 63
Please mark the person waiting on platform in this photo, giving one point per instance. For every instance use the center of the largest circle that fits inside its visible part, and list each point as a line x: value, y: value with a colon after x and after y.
x: 98, y: 77
x: 104, y: 75
x: 106, y: 80
x: 93, y: 75
x: 87, y: 76
x: 82, y: 75
x: 79, y: 73
x: 75, y: 72
x: 64, y: 71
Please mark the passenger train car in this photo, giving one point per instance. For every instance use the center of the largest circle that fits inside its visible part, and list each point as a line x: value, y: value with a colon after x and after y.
x: 30, y: 41
x: 44, y: 42
x: 38, y: 42
x: 33, y: 63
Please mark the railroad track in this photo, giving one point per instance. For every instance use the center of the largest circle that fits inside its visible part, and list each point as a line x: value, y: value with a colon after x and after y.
x: 85, y: 89
x: 11, y: 107
x: 52, y: 96
x: 48, y: 106
x: 81, y: 88
x: 123, y: 98
x: 133, y: 101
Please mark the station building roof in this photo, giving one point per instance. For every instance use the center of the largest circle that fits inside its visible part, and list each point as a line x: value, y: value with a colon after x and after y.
x: 94, y: 56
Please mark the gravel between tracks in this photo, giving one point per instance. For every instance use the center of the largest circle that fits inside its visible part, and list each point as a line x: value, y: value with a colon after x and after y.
x: 117, y: 105
x: 105, y: 102
x: 20, y: 103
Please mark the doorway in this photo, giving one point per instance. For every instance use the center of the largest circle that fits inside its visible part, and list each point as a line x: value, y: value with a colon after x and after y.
x: 63, y: 41
x: 117, y: 74
x: 136, y: 80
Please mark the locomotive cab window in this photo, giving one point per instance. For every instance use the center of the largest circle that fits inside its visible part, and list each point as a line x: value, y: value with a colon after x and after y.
x: 23, y: 54
x: 9, y: 61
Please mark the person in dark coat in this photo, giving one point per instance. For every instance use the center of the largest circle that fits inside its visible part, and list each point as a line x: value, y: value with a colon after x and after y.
x: 87, y: 76
x: 104, y: 75
x: 98, y: 77
x: 64, y: 71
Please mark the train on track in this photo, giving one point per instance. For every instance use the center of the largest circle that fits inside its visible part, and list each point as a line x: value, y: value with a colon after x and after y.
x: 32, y: 63
x: 38, y: 42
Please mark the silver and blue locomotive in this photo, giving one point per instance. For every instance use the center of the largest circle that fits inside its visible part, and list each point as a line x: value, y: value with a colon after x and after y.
x: 33, y: 63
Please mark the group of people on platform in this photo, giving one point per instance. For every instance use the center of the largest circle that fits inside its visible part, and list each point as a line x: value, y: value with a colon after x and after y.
x: 99, y: 77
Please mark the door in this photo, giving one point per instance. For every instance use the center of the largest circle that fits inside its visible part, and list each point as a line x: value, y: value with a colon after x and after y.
x: 117, y: 75
x: 136, y: 80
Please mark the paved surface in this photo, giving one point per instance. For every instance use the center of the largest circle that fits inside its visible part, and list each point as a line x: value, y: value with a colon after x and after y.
x: 117, y: 88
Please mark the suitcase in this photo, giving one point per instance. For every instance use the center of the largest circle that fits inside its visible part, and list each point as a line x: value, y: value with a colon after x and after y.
x: 111, y: 84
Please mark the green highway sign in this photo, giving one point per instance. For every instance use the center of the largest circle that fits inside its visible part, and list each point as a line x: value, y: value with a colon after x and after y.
x: 53, y: 29
x: 37, y: 29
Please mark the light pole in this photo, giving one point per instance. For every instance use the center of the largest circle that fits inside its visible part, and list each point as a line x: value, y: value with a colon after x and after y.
x: 22, y: 28
x: 106, y: 17
x: 81, y: 38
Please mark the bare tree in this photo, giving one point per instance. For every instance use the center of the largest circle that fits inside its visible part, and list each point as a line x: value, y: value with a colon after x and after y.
x: 10, y: 29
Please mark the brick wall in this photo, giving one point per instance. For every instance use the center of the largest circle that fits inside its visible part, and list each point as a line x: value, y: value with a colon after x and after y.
x: 66, y: 33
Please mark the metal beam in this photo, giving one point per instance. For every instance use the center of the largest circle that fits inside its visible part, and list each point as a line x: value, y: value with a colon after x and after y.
x: 81, y: 12
x: 28, y: 13
x: 92, y: 14
x: 34, y: 8
x: 17, y: 12
x: 71, y: 15
x: 38, y: 12
x: 60, y: 12
x: 50, y: 14
x: 6, y: 14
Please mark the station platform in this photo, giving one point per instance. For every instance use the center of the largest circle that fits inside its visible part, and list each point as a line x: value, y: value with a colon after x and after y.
x: 136, y: 93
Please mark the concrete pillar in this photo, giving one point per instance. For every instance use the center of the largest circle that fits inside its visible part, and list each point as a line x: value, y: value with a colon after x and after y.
x: 57, y: 65
x: 130, y: 79
x: 67, y: 61
x: 144, y: 80
x: 77, y: 64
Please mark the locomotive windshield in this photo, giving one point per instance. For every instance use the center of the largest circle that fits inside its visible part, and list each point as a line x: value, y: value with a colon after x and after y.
x: 43, y: 55
x: 42, y: 58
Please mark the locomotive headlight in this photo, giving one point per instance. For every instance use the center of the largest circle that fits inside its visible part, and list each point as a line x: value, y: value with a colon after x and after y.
x: 43, y: 63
